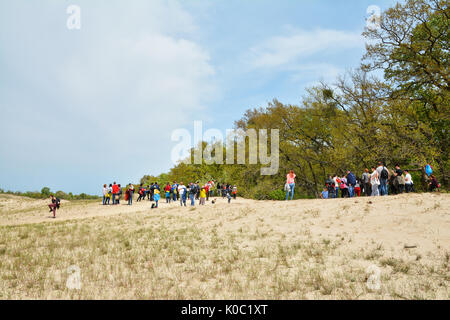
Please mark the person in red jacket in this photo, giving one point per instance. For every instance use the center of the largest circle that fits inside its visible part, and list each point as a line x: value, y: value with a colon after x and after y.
x: 115, y: 192
x: 168, y: 189
x: 207, y: 192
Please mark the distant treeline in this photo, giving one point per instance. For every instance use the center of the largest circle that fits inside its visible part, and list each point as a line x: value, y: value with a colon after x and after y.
x: 45, y: 193
x: 402, y: 118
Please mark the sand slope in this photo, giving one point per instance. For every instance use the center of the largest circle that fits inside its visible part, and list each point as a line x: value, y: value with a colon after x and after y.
x: 307, y: 249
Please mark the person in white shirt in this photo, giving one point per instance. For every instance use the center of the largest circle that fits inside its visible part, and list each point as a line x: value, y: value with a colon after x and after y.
x: 336, y: 186
x: 182, y: 193
x: 409, y: 184
x: 375, y: 182
x: 105, y: 193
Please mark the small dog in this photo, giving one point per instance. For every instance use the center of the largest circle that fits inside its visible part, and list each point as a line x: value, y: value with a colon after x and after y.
x: 213, y: 201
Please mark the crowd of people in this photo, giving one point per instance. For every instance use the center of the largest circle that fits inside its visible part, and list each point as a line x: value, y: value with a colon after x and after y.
x: 173, y: 192
x: 379, y: 181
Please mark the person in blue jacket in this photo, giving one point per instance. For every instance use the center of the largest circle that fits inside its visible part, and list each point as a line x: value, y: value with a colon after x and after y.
x: 351, y: 181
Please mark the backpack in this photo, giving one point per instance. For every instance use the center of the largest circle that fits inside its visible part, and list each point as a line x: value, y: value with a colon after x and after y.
x: 58, y: 203
x: 384, y: 174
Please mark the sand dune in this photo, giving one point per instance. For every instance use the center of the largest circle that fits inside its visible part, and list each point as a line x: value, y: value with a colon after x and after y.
x: 306, y: 249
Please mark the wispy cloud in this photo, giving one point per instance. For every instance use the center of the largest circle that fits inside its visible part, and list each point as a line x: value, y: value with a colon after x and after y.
x: 291, y: 50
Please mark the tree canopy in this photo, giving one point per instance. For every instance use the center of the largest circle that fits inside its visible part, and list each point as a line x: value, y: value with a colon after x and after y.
x: 360, y: 119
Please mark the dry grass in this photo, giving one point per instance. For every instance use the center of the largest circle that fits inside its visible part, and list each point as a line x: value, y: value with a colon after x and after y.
x: 246, y: 250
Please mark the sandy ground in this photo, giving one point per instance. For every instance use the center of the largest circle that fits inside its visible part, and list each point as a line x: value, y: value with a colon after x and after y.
x: 306, y: 249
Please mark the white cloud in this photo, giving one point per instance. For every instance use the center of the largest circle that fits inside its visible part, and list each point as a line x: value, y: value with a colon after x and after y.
x: 105, y: 98
x: 282, y: 51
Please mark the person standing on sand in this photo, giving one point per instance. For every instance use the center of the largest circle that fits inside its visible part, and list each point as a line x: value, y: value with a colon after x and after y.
x: 141, y: 193
x: 130, y: 192
x: 409, y: 184
x: 337, y: 183
x: 219, y: 189
x: 400, y: 179
x: 207, y: 191
x: 329, y: 184
x: 344, y: 187
x: 156, y: 197
x: 167, y: 191
x: 108, y: 198
x: 365, y: 180
x: 152, y: 191
x: 351, y: 181
x: 54, y: 205
x: 290, y: 180
x: 105, y: 194
x: 433, y: 184
x: 202, y: 196
x: 383, y: 177
x: 192, y: 193
x: 234, y: 192
x: 119, y: 194
x: 115, y: 192
x: 357, y: 188
x: 324, y: 194
x: 182, y: 192
x: 227, y: 193
x: 175, y: 195
x: 224, y: 189
x: 375, y: 182
x: 211, y: 188
x: 197, y: 186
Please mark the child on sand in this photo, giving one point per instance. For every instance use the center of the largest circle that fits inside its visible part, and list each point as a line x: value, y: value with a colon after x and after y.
x: 324, y: 194
x: 156, y: 197
x: 234, y: 192
x: 227, y: 193
x: 202, y: 196
x: 358, y: 188
x: 434, y: 184
x: 344, y: 187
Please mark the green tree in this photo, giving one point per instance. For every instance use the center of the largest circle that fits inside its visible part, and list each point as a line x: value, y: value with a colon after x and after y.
x: 412, y: 47
x: 45, y: 192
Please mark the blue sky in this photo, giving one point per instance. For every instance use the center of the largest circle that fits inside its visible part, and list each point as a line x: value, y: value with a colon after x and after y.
x: 80, y: 108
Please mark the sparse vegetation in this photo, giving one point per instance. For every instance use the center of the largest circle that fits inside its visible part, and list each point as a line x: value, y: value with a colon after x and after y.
x: 246, y: 250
